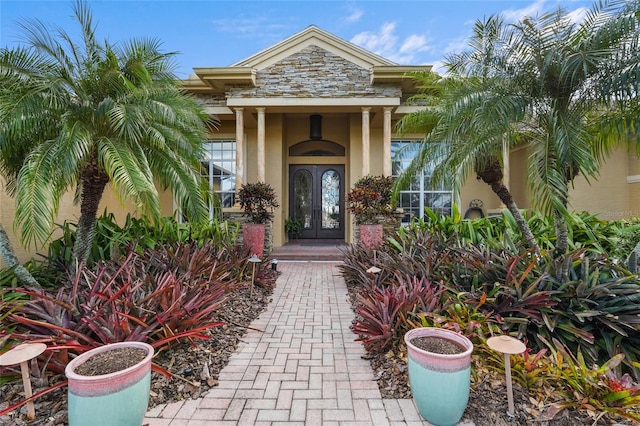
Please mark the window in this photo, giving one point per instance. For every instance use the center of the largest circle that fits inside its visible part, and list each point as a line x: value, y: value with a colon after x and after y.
x: 219, y: 168
x: 419, y: 194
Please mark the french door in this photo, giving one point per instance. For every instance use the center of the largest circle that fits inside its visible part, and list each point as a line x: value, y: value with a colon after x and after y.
x: 316, y: 199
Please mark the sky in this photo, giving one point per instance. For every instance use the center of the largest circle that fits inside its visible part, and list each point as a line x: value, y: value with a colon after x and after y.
x: 217, y: 33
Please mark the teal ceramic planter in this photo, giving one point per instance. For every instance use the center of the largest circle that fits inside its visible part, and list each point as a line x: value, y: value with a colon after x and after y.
x: 439, y: 383
x: 119, y: 398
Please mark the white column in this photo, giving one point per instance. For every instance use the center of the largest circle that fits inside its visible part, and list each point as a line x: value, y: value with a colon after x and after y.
x: 366, y: 136
x: 505, y: 162
x: 386, y: 143
x: 505, y: 166
x: 239, y: 148
x: 261, y: 133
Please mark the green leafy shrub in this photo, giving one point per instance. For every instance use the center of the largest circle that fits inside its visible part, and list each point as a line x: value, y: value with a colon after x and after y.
x: 113, y: 240
x: 293, y: 227
x: 596, y: 311
x: 370, y: 199
x: 594, y: 387
x: 586, y: 231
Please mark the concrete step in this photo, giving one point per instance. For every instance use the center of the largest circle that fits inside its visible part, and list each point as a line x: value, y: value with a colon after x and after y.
x: 310, y: 250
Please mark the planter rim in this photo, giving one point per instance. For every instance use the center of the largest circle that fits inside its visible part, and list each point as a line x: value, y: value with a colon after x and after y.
x: 443, y: 334
x: 69, y: 370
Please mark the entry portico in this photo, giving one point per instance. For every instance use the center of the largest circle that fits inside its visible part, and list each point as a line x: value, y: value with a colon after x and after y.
x: 310, y: 116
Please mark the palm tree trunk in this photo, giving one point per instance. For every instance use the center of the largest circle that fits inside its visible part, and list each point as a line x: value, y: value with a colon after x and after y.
x: 562, y: 261
x: 507, y: 199
x: 10, y: 258
x: 93, y: 183
x: 491, y: 173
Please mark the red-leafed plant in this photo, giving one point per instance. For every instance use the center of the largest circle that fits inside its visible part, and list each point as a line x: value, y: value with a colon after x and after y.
x: 383, y: 311
x: 258, y: 200
x: 158, y: 297
x: 370, y: 199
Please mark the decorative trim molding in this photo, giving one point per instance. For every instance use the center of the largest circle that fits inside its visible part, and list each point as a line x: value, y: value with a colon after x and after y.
x: 291, y: 101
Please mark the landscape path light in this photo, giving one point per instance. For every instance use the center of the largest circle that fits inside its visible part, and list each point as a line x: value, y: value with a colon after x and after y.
x: 253, y: 259
x: 507, y: 345
x: 22, y: 354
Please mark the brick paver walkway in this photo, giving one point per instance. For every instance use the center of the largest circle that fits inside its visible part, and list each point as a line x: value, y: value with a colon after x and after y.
x: 304, y: 369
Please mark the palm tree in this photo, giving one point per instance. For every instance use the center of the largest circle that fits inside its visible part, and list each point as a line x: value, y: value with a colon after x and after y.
x: 82, y: 116
x: 553, y: 85
x: 460, y: 140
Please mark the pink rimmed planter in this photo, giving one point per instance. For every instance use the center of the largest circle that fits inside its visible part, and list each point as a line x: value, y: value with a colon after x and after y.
x: 253, y: 237
x: 439, y: 382
x: 371, y: 235
x: 119, y: 398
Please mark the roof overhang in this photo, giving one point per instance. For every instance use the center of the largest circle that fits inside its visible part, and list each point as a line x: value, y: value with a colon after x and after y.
x: 218, y: 77
x: 398, y: 74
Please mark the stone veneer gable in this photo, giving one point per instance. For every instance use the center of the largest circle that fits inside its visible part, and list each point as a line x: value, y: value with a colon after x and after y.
x: 314, y: 72
x: 211, y: 100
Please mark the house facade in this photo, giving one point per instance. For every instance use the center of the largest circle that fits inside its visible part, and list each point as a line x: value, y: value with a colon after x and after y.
x: 314, y: 113
x: 310, y: 116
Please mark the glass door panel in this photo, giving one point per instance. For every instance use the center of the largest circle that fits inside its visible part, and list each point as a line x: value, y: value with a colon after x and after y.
x: 316, y: 199
x: 330, y: 196
x: 303, y: 198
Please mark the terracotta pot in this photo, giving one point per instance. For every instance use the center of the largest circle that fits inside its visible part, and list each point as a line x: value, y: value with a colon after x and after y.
x: 253, y: 237
x: 371, y: 235
x: 119, y: 398
x: 439, y: 382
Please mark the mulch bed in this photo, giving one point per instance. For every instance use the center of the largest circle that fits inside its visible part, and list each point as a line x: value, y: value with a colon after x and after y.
x: 487, y: 398
x: 196, y: 368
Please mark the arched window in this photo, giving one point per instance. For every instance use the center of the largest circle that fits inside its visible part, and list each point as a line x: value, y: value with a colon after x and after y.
x: 313, y: 148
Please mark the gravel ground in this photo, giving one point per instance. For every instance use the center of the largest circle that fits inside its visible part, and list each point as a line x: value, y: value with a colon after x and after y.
x: 487, y: 398
x: 196, y: 368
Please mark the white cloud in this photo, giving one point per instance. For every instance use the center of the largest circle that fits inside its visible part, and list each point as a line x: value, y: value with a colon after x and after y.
x: 355, y: 15
x: 250, y: 26
x: 539, y: 7
x: 535, y: 8
x: 456, y: 45
x: 438, y: 67
x: 387, y: 44
x: 414, y: 43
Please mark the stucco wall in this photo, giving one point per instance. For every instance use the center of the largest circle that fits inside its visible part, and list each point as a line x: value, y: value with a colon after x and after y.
x: 609, y: 195
x: 68, y: 211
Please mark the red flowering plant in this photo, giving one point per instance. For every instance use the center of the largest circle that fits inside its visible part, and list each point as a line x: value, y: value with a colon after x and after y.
x: 370, y: 199
x: 258, y: 201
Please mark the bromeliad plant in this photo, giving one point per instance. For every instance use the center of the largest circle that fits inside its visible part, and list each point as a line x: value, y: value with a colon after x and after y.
x: 595, y: 311
x: 159, y: 297
x: 596, y: 388
x: 598, y: 311
x: 384, y: 312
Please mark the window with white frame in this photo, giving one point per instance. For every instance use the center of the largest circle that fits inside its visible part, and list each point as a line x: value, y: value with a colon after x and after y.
x: 219, y: 169
x: 419, y: 194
